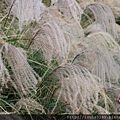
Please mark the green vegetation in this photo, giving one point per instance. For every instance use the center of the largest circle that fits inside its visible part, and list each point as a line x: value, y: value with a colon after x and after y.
x: 10, y: 33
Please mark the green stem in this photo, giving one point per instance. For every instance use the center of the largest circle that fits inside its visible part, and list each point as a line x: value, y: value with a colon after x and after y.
x: 10, y: 105
x: 37, y: 63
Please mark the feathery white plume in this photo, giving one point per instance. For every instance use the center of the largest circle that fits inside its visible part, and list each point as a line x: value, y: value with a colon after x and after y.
x: 113, y: 4
x: 4, y: 74
x: 77, y: 89
x: 93, y: 28
x: 70, y: 8
x: 5, y: 78
x: 104, y: 16
x: 98, y: 51
x: 56, y: 36
x: 27, y: 11
x: 29, y: 104
x: 51, y: 40
x: 25, y: 78
x: 84, y: 3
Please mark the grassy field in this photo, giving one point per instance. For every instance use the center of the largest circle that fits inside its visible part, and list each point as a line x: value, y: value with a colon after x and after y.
x: 10, y: 33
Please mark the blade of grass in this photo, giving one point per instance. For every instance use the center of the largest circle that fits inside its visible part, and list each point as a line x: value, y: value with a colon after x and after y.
x: 10, y: 105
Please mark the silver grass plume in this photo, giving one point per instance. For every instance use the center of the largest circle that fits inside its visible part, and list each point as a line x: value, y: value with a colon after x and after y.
x: 94, y: 28
x: 84, y: 3
x: 113, y: 4
x: 104, y: 16
x: 96, y: 65
x: 5, y: 78
x: 51, y: 40
x: 98, y: 52
x: 56, y: 36
x: 4, y: 74
x: 29, y: 105
x: 27, y: 10
x: 24, y: 77
x: 81, y: 90
x: 70, y: 8
x: 69, y: 24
